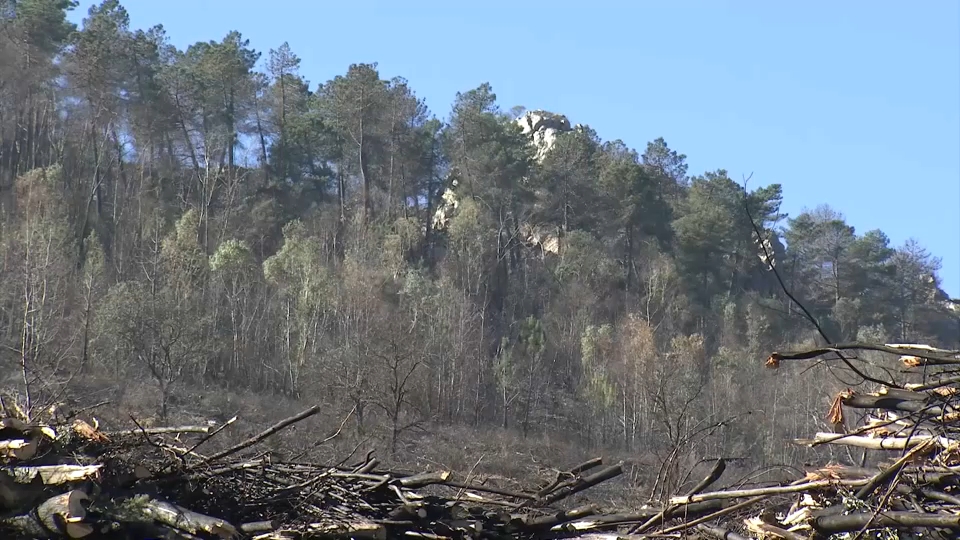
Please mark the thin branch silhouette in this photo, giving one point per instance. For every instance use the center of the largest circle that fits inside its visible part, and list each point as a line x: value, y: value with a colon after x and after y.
x: 771, y: 262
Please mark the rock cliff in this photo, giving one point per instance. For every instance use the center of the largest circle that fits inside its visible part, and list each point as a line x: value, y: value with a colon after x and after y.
x: 543, y: 128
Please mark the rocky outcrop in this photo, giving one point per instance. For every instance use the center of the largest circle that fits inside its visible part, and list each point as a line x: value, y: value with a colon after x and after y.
x: 543, y: 128
x: 446, y: 209
x: 540, y: 237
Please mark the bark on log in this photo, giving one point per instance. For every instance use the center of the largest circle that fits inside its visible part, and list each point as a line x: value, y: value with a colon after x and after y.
x: 940, y: 496
x: 930, y: 355
x: 586, y: 466
x: 585, y: 483
x: 715, y: 515
x: 13, y: 424
x: 907, y: 393
x: 424, y: 479
x: 258, y: 527
x: 939, y: 380
x: 892, y: 403
x: 569, y: 477
x: 552, y: 520
x: 15, y: 496
x: 897, y: 520
x: 186, y: 520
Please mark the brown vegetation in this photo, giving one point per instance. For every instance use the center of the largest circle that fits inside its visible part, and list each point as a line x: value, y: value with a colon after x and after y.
x: 195, y: 233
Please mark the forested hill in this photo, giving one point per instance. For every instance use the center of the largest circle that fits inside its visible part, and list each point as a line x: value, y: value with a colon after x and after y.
x: 206, y: 216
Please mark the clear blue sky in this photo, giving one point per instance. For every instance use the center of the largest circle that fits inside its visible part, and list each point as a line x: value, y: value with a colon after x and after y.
x: 853, y: 103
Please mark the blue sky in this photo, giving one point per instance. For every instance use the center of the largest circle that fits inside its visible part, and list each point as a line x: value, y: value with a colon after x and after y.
x: 853, y: 103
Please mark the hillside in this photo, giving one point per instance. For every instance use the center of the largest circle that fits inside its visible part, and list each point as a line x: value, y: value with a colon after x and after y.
x: 200, y: 231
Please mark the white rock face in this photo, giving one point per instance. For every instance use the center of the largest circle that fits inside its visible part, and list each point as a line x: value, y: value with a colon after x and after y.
x: 441, y: 217
x: 543, y: 127
x: 541, y: 237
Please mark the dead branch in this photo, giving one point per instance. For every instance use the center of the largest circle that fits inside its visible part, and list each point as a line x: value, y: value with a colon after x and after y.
x: 263, y: 435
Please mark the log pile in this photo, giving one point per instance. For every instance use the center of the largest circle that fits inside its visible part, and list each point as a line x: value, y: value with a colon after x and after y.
x: 910, y: 414
x: 73, y: 480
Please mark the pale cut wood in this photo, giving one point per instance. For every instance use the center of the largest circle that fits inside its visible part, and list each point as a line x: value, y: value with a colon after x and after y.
x: 874, y: 443
x: 758, y: 492
x: 157, y: 430
x: 359, y: 529
x: 20, y: 449
x: 187, y: 520
x: 55, y: 474
x: 89, y: 432
x: 763, y: 529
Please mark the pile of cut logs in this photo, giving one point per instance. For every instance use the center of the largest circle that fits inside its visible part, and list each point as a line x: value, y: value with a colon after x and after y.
x: 70, y: 479
x: 74, y: 480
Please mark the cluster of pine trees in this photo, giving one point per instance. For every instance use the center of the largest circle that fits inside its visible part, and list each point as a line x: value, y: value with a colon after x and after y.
x: 206, y: 216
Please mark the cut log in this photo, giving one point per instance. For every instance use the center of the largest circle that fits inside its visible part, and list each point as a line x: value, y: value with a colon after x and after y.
x: 874, y: 443
x: 553, y: 520
x: 585, y: 483
x: 763, y: 529
x: 893, y: 402
x: 19, y: 449
x: 424, y: 479
x: 258, y: 527
x: 183, y: 519
x: 55, y: 474
x: 897, y: 520
x: 157, y: 431
x: 91, y: 433
x: 61, y: 515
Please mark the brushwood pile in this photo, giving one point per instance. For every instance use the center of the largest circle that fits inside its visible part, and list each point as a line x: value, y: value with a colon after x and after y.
x: 71, y: 478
